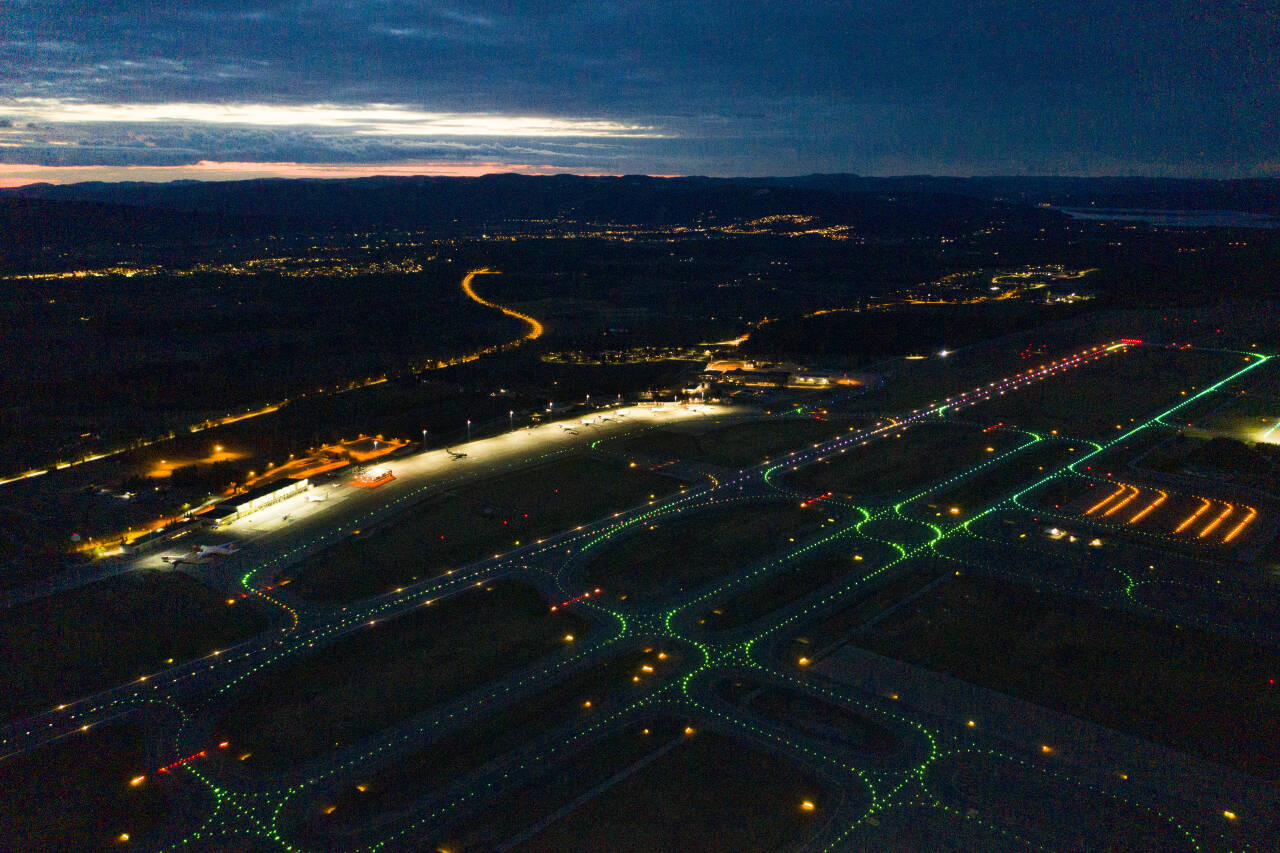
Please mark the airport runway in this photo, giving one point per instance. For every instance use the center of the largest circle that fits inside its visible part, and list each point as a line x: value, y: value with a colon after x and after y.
x: 270, y: 807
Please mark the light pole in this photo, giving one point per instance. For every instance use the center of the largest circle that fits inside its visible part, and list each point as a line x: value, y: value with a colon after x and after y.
x: 511, y: 419
x: 424, y: 439
x: 468, y: 429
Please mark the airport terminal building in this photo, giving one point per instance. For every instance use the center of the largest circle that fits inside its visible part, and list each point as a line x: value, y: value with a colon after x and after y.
x: 239, y: 506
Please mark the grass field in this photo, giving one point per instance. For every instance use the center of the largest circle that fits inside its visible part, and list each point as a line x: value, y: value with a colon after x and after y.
x: 1250, y: 604
x: 1194, y: 691
x: 925, y: 829
x: 62, y: 647
x: 860, y: 606
x: 374, y: 678
x: 736, y: 446
x: 515, y: 811
x: 474, y: 522
x: 677, y: 553
x: 711, y: 793
x: 904, y: 461
x: 1018, y: 796
x: 1058, y: 493
x: 902, y: 530
x: 790, y: 584
x: 1119, y: 390
x: 970, y: 495
x: 706, y: 793
x: 584, y: 697
x: 814, y: 717
x: 1250, y: 408
x: 75, y: 794
x: 912, y: 384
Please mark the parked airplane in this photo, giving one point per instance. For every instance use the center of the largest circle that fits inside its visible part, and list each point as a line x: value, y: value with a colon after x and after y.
x: 216, y: 550
x: 455, y: 454
x: 198, y: 551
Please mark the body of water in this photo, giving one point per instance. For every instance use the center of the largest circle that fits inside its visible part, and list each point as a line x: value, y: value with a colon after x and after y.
x: 1176, y: 218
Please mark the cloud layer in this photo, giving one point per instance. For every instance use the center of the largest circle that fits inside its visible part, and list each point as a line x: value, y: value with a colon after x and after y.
x: 952, y: 87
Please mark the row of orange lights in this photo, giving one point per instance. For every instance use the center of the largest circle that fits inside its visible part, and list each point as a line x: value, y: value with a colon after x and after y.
x: 1162, y: 496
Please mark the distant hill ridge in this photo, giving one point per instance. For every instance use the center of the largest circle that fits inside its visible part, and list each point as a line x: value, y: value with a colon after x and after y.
x: 76, y: 215
x: 492, y: 198
x: 1258, y: 195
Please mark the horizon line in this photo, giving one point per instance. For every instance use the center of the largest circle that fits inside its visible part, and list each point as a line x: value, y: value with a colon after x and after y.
x: 19, y: 176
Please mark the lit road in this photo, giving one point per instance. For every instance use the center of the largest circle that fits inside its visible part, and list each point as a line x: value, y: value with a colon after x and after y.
x: 534, y: 331
x: 535, y: 328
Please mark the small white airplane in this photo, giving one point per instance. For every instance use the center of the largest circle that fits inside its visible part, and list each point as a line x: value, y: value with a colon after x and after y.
x: 567, y: 428
x: 455, y: 454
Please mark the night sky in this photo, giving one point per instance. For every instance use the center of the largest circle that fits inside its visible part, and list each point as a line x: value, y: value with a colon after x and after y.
x: 158, y: 89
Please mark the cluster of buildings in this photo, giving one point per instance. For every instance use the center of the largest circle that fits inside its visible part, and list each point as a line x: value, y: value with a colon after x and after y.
x: 772, y: 374
x: 246, y: 503
x: 219, y: 515
x: 778, y: 374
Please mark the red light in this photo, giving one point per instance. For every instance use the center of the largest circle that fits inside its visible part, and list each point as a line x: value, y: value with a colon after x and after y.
x: 181, y: 761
